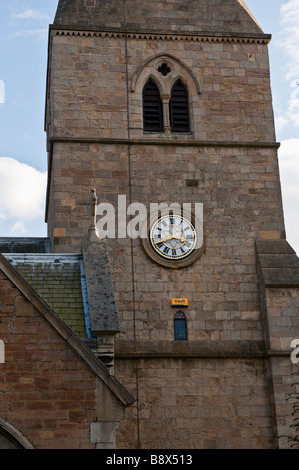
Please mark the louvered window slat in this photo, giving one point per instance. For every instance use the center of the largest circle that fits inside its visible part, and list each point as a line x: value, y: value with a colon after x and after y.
x: 179, y: 108
x: 152, y: 108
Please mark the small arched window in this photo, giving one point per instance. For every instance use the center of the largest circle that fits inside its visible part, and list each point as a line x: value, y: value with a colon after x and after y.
x: 180, y: 326
x: 179, y: 108
x: 152, y: 108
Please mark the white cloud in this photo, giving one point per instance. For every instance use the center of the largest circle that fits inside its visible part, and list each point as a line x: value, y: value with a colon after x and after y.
x: 290, y: 20
x: 280, y: 122
x: 30, y: 32
x: 289, y: 40
x: 289, y: 175
x: 31, y: 14
x: 22, y: 196
x: 18, y: 229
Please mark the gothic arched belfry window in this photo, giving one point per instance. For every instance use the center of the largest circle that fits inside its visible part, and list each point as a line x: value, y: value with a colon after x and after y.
x: 168, y: 112
x: 164, y: 93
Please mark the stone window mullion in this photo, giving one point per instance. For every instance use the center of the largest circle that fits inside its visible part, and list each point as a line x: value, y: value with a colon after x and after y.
x: 166, y: 116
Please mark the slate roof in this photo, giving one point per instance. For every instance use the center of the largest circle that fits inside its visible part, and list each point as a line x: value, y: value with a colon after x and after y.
x: 25, y: 245
x: 120, y: 392
x: 78, y: 287
x: 60, y: 280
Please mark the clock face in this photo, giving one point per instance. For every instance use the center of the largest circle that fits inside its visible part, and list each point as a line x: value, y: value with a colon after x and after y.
x: 173, y: 237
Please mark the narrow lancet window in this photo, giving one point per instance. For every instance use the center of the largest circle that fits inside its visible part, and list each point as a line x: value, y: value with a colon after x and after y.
x: 179, y: 108
x: 152, y: 108
x: 180, y: 326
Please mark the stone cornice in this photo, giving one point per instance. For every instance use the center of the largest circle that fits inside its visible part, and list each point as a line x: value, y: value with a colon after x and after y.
x: 202, y: 36
x: 193, y: 350
x: 163, y: 141
x: 207, y: 349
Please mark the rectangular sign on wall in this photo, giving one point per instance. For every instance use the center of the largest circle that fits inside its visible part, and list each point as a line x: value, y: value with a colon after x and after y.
x: 179, y: 302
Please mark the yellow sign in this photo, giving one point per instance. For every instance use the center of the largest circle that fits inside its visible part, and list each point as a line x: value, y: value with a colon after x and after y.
x: 179, y: 302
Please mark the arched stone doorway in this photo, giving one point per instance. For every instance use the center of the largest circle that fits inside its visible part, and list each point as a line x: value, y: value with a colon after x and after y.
x: 7, y: 441
x: 11, y: 438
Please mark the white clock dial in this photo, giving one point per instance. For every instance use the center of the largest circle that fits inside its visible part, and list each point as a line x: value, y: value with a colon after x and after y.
x: 173, y: 237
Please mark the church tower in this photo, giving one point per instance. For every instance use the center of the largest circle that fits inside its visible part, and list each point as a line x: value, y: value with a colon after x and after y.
x: 170, y: 102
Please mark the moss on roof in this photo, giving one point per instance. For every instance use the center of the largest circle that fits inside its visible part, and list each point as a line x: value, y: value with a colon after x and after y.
x: 25, y: 245
x: 57, y: 279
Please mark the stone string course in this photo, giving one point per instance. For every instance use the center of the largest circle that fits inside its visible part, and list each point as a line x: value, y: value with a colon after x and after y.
x: 265, y: 39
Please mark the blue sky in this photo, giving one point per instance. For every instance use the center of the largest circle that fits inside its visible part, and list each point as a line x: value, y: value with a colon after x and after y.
x: 23, y: 62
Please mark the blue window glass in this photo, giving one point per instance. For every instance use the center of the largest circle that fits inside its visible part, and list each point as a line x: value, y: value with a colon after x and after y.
x: 180, y: 326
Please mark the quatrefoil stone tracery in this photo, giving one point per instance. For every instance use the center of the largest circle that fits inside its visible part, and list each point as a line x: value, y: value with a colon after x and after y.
x: 164, y: 69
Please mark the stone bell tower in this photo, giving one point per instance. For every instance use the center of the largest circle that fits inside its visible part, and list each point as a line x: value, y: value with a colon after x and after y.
x: 170, y: 102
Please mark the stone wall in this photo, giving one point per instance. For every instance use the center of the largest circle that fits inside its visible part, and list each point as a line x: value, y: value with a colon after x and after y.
x: 46, y: 392
x: 278, y: 272
x: 238, y: 188
x: 88, y: 87
x: 159, y: 16
x: 198, y: 404
x: 203, y: 393
x: 50, y: 396
x: 283, y: 323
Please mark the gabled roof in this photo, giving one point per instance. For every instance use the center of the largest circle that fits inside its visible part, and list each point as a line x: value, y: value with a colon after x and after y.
x: 177, y: 16
x: 66, y: 333
x: 78, y: 287
x: 57, y: 279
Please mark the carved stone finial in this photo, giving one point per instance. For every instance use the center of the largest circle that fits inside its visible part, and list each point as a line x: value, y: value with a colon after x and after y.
x: 92, y: 232
x: 93, y: 207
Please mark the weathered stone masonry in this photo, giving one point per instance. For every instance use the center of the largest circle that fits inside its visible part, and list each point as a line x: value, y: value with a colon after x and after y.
x: 228, y: 162
x: 227, y: 385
